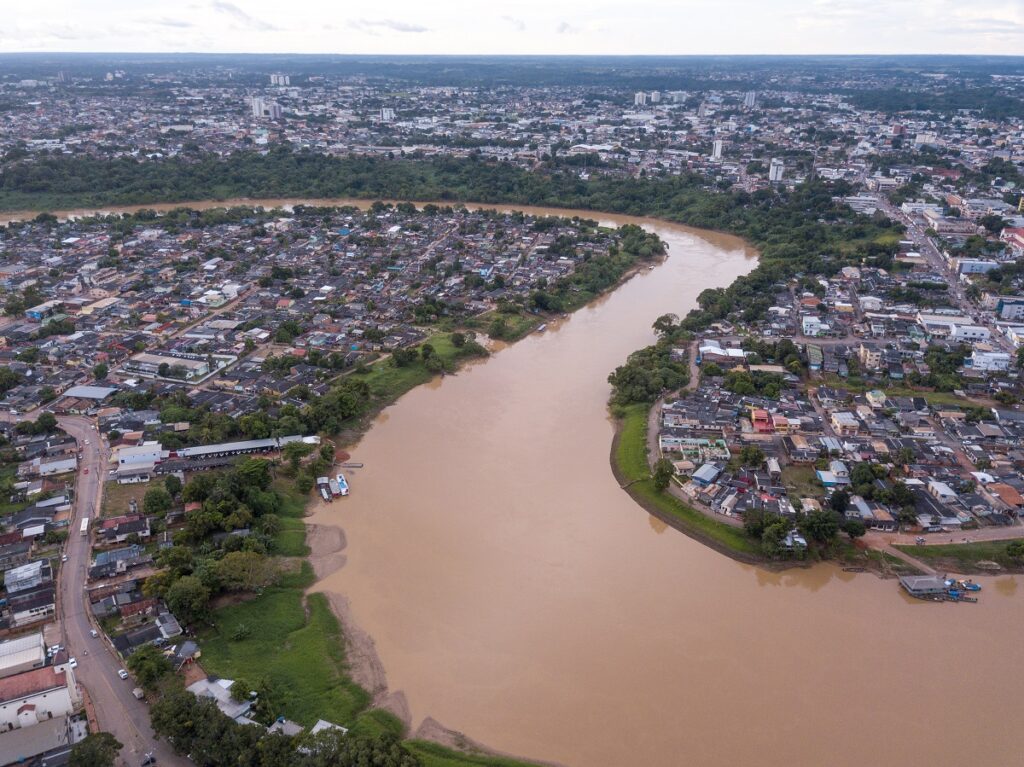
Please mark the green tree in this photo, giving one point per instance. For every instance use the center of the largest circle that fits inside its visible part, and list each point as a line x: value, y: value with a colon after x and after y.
x: 663, y: 473
x: 854, y: 528
x: 98, y: 749
x: 46, y: 423
x: 255, y: 472
x: 188, y: 598
x: 172, y: 485
x: 752, y: 455
x: 156, y: 501
x: 839, y: 501
x: 821, y: 526
x: 149, y: 665
x: 245, y: 571
x: 1015, y: 550
x: 100, y: 371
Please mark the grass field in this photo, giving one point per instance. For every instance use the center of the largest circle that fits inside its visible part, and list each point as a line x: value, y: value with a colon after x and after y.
x: 433, y: 755
x: 631, y: 460
x: 518, y: 324
x: 963, y: 557
x: 802, y: 482
x: 295, y: 644
x: 388, y: 382
x: 116, y: 497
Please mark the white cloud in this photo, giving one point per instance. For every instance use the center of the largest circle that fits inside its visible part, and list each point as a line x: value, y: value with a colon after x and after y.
x: 373, y: 26
x: 662, y: 27
x: 240, y: 16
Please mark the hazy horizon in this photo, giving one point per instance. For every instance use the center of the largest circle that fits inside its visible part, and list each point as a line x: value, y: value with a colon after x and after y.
x: 570, y: 27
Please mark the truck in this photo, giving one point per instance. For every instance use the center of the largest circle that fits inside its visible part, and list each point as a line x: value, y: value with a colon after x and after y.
x: 85, y: 527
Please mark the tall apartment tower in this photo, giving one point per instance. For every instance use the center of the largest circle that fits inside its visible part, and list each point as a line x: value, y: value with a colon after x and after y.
x: 639, y: 99
x: 776, y: 169
x: 280, y: 80
x: 387, y: 115
x: 655, y: 97
x: 257, y: 105
x: 716, y: 152
x: 750, y: 100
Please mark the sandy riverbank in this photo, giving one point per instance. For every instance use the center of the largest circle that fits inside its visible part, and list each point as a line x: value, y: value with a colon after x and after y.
x: 326, y: 555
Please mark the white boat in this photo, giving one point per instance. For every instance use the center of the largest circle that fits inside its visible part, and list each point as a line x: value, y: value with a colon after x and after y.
x: 342, y: 484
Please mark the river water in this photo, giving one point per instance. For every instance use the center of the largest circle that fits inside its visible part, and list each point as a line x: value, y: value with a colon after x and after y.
x: 515, y: 593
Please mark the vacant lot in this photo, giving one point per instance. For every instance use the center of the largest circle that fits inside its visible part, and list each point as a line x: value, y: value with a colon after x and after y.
x: 116, y: 497
x: 964, y: 557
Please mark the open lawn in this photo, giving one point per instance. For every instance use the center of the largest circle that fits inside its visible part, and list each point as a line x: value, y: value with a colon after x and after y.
x: 517, y: 324
x: 631, y: 461
x: 116, y: 497
x: 388, y: 382
x: 802, y: 482
x: 935, y: 398
x: 295, y: 644
x: 963, y: 557
x: 290, y: 541
x: 8, y: 474
x: 433, y: 755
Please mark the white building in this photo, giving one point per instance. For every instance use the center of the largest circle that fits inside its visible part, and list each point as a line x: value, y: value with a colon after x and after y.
x: 22, y: 654
x: 639, y: 99
x: 969, y: 333
x: 280, y: 80
x: 35, y: 696
x: 716, y: 152
x: 975, y: 266
x: 989, y: 361
x: 776, y: 170
x: 750, y: 99
x: 387, y: 115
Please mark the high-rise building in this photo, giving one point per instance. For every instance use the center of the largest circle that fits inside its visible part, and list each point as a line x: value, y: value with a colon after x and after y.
x: 655, y: 97
x: 716, y: 152
x: 776, y: 169
x: 750, y: 100
x: 387, y: 115
x: 263, y: 108
x: 280, y: 80
x: 639, y: 99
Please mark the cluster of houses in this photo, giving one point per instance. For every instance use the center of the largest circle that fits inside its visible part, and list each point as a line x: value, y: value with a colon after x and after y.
x: 956, y: 472
x: 324, y: 292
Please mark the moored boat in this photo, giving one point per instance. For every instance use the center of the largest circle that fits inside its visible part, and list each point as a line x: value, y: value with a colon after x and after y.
x: 342, y: 484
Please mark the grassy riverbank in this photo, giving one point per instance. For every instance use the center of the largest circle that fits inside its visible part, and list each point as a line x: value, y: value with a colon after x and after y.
x: 964, y: 557
x: 434, y: 755
x: 629, y: 463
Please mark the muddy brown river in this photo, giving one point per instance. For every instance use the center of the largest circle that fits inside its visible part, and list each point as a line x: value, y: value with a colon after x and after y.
x: 515, y: 593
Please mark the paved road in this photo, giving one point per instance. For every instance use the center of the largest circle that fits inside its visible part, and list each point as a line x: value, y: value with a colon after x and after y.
x: 117, y: 710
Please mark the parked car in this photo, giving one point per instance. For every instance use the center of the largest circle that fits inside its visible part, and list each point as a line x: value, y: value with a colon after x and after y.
x: 122, y: 673
x: 72, y: 663
x: 63, y: 557
x: 94, y: 632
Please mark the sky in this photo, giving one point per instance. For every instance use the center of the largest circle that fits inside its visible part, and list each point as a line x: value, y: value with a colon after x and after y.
x: 663, y: 27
